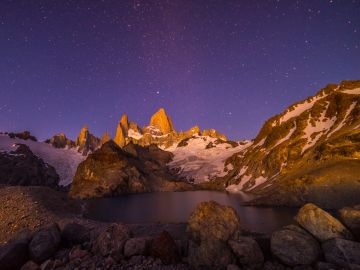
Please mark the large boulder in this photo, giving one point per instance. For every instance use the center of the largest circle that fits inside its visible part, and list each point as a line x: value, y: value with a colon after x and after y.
x: 350, y: 216
x: 321, y: 224
x: 210, y: 226
x: 45, y: 243
x: 294, y: 246
x: 248, y: 252
x: 210, y: 220
x: 342, y: 252
x: 111, y: 241
x: 136, y: 246
x: 22, y: 168
x: 13, y: 255
x: 74, y: 234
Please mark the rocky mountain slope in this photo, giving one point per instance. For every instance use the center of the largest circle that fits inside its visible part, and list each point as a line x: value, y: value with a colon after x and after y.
x: 308, y: 152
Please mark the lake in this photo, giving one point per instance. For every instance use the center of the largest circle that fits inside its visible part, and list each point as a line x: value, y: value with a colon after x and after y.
x: 174, y: 207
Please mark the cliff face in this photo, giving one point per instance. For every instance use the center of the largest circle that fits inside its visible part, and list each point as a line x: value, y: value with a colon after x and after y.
x: 300, y: 151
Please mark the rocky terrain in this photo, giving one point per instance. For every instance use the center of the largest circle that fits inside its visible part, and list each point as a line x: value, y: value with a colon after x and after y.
x: 308, y: 153
x: 112, y: 170
x: 22, y: 167
x: 213, y: 239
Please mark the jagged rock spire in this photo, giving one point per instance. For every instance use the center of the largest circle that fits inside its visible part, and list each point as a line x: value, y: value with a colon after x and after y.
x: 162, y: 121
x: 121, y: 131
x: 105, y: 138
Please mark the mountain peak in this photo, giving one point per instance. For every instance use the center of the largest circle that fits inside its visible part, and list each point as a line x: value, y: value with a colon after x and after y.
x: 162, y: 121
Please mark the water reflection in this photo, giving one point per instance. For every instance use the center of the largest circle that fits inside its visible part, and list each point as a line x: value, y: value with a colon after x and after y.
x: 168, y: 207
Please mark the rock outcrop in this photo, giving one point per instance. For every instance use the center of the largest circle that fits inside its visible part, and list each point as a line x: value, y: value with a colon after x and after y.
x: 25, y: 135
x: 105, y: 138
x: 350, y: 216
x: 61, y: 141
x: 21, y: 167
x: 122, y: 131
x: 112, y: 170
x: 162, y: 122
x: 87, y: 142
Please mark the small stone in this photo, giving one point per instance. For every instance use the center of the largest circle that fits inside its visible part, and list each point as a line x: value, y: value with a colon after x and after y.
x: 136, y: 246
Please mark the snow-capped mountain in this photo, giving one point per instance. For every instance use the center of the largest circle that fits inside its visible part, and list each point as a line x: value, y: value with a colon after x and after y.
x: 304, y: 146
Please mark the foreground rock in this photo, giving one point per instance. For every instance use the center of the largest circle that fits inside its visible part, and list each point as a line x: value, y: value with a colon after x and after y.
x: 210, y: 226
x: 44, y: 243
x: 22, y: 167
x: 294, y: 246
x: 321, y: 224
x: 247, y: 252
x: 13, y: 255
x: 351, y: 218
x: 342, y: 252
x: 164, y: 248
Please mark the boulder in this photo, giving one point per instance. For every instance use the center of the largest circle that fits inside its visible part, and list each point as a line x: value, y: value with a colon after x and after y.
x: 213, y: 221
x: 13, y: 255
x: 342, y: 252
x: 247, y: 251
x: 111, y: 241
x: 45, y: 243
x: 321, y: 224
x: 350, y: 216
x: 74, y: 234
x: 294, y: 246
x: 22, y: 168
x: 136, y: 246
x: 164, y: 248
x: 210, y: 226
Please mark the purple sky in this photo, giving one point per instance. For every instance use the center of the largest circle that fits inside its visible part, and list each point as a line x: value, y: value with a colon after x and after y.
x: 228, y: 65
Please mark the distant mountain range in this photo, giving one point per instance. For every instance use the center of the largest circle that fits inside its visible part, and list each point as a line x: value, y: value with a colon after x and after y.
x: 307, y: 153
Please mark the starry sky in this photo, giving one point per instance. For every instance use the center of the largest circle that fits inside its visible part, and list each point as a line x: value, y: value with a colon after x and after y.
x: 228, y: 65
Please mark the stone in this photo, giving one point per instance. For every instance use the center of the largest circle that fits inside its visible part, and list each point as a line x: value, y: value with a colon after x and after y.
x: 274, y: 265
x: 293, y: 246
x: 74, y: 234
x: 136, y: 246
x: 210, y: 226
x: 350, y: 216
x: 45, y: 243
x: 30, y: 265
x: 164, y: 248
x: 13, y: 255
x: 76, y: 253
x: 247, y: 251
x: 210, y: 254
x: 210, y: 220
x: 321, y: 224
x: 162, y: 121
x: 342, y: 252
x: 111, y: 241
x: 232, y: 267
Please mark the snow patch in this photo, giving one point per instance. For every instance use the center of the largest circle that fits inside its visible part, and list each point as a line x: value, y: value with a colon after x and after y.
x: 355, y: 91
x: 258, y: 181
x: 342, y: 123
x: 134, y: 134
x: 65, y: 161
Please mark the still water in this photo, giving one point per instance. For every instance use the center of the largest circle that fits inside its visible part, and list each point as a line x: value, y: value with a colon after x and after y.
x: 172, y: 207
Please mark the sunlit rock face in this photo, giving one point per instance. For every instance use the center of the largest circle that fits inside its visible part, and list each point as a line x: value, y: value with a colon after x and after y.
x: 308, y: 152
x: 122, y: 131
x: 162, y: 121
x: 61, y: 141
x: 87, y: 142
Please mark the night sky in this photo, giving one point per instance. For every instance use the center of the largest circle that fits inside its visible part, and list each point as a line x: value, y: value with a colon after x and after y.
x: 228, y: 65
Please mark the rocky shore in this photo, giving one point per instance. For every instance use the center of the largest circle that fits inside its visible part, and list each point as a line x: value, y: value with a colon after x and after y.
x: 43, y: 229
